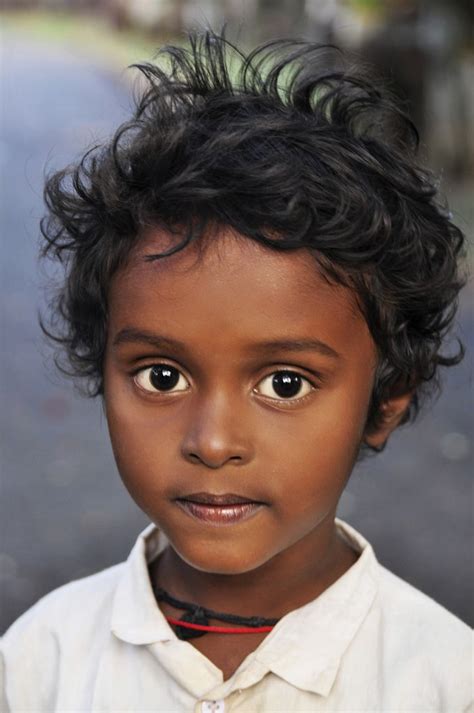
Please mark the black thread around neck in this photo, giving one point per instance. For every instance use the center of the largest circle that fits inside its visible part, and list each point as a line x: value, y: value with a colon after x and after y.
x: 252, y: 621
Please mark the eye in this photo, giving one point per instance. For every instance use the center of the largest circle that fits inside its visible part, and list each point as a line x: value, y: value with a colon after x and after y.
x: 161, y: 378
x: 286, y: 384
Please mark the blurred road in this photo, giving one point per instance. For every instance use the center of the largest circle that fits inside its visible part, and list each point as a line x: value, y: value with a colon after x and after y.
x: 64, y: 513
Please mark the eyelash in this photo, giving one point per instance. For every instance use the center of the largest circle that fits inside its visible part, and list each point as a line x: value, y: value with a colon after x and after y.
x: 287, y: 402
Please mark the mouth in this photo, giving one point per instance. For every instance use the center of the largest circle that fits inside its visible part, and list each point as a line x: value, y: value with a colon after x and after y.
x: 226, y: 509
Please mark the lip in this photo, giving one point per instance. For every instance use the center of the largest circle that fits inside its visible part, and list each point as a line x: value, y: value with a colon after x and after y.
x: 225, y: 509
x: 218, y: 499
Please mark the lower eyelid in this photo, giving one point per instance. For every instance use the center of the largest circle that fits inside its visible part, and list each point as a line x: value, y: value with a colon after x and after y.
x: 290, y: 401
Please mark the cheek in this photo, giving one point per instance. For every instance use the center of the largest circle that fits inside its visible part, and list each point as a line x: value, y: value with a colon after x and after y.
x: 312, y: 464
x: 142, y: 438
x: 316, y: 461
x: 329, y: 436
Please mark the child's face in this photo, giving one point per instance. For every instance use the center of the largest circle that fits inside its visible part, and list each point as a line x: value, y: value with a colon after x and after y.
x: 226, y: 425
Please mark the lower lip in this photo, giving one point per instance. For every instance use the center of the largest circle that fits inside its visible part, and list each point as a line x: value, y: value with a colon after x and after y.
x: 220, y: 514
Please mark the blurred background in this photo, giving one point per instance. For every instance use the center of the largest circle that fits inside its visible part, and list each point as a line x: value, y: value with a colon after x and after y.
x: 64, y: 513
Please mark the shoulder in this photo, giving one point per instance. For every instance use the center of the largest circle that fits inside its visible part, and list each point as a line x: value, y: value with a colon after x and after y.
x: 87, y: 598
x: 418, y: 651
x: 60, y: 625
x: 71, y: 611
x: 405, y: 610
x: 421, y: 638
x: 424, y: 617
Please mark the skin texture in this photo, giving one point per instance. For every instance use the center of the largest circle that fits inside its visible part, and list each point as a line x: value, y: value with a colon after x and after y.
x: 224, y: 429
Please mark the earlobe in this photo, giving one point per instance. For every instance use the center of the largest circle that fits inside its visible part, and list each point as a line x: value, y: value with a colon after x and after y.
x: 392, y: 412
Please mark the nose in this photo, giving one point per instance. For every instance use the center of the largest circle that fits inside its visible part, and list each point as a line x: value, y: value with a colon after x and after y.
x: 217, y: 433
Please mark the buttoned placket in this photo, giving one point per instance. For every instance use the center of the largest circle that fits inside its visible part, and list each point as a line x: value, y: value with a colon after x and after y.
x: 213, y: 706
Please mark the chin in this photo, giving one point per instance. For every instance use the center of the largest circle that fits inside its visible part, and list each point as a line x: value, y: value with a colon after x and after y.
x: 228, y: 563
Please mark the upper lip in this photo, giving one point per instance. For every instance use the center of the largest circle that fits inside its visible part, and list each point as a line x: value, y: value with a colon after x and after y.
x: 213, y: 499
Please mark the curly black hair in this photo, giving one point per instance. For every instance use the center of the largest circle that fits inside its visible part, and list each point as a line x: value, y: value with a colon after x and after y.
x: 291, y: 148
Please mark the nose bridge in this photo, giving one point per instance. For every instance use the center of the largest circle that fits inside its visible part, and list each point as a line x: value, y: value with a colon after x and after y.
x: 217, y: 427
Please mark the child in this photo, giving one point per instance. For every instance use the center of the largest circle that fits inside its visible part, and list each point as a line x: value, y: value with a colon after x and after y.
x: 258, y: 285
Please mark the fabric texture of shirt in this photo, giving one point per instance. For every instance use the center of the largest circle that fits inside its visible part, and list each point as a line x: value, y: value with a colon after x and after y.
x: 370, y: 642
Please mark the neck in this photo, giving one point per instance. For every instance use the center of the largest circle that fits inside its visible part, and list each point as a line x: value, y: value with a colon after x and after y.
x: 287, y: 581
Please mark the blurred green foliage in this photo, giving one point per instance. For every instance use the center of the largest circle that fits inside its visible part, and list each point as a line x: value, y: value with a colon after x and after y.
x: 93, y: 36
x: 372, y: 6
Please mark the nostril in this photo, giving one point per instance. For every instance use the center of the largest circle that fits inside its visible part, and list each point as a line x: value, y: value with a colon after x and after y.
x: 214, y: 454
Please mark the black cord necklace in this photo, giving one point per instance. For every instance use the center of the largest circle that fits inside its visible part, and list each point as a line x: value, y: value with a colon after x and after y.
x: 196, y: 621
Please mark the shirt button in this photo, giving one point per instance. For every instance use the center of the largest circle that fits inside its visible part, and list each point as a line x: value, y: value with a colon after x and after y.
x: 213, y: 706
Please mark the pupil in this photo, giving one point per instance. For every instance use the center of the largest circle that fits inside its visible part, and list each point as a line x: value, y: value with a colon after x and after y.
x: 286, y: 383
x: 164, y: 377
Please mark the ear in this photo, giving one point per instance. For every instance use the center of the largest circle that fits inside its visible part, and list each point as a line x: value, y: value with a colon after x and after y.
x: 392, y: 410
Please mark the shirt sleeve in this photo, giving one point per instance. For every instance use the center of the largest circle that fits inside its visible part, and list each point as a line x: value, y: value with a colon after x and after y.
x: 28, y: 666
x: 4, y: 707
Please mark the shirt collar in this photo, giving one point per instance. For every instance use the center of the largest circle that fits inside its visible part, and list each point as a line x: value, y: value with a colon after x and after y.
x: 136, y: 618
x: 306, y: 646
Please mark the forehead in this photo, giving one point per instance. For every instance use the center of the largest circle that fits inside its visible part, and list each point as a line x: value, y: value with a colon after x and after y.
x: 235, y: 287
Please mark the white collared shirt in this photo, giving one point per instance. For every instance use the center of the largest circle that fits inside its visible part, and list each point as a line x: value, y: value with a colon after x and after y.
x: 370, y: 642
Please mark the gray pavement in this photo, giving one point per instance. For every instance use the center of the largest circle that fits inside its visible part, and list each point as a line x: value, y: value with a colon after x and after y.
x: 64, y: 513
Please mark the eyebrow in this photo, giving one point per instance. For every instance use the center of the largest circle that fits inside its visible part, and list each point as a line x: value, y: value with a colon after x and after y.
x: 130, y: 335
